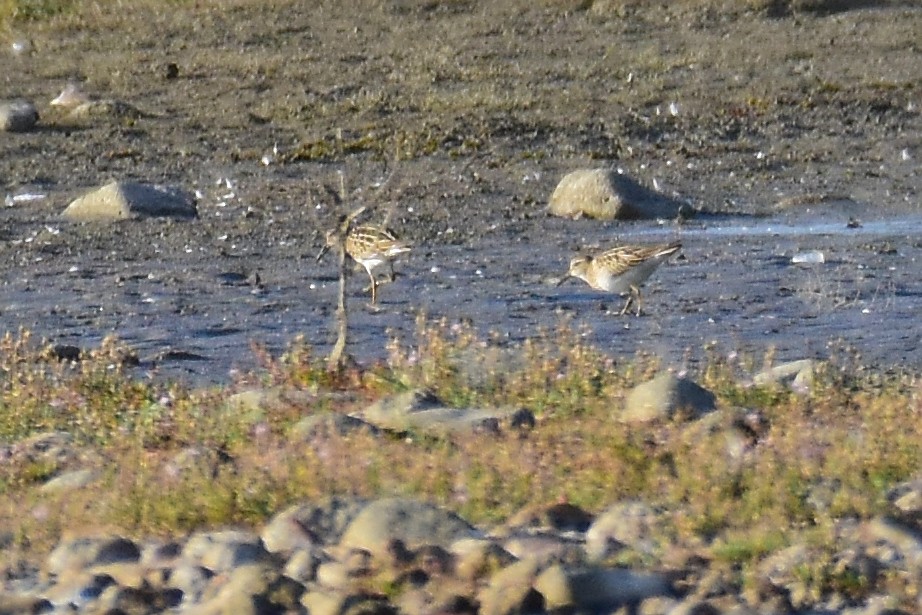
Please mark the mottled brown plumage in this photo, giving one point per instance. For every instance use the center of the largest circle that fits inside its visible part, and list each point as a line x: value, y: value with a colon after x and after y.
x: 373, y: 247
x: 622, y: 269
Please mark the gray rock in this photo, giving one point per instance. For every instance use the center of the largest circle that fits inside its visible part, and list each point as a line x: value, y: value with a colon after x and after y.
x: 608, y: 195
x: 84, y: 552
x: 330, y: 423
x: 105, y: 108
x: 599, y: 589
x: 138, y: 599
x: 156, y: 554
x: 337, y: 603
x: 119, y: 200
x: 663, y: 605
x: 561, y: 517
x: 544, y: 548
x: 664, y: 397
x: 127, y: 573
x: 905, y: 539
x: 727, y: 605
x: 192, y: 579
x: 780, y: 8
x: 878, y: 605
x: 323, y: 602
x: 336, y: 575
x: 256, y: 589
x: 224, y: 550
x: 302, y: 565
x: 52, y: 446
x: 476, y: 556
x: 510, y: 591
x: 907, y: 498
x: 421, y: 601
x: 81, y: 106
x: 623, y: 525
x: 69, y: 481
x: 423, y: 411
x: 798, y: 375
x: 672, y: 606
x: 251, y: 405
x: 15, y: 604
x: 414, y: 523
x: 17, y: 116
x: 307, y: 525
x: 81, y: 589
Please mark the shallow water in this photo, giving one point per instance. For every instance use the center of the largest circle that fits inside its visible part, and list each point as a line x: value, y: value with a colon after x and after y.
x: 733, y: 289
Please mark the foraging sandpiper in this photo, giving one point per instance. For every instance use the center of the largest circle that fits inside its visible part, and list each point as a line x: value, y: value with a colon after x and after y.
x: 622, y: 269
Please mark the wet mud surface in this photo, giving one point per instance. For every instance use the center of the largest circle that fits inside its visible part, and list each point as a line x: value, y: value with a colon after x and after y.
x: 454, y: 122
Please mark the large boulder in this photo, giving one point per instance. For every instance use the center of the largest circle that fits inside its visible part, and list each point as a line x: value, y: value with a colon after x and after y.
x: 666, y: 396
x: 120, y: 199
x: 410, y: 521
x: 609, y: 195
x: 421, y: 410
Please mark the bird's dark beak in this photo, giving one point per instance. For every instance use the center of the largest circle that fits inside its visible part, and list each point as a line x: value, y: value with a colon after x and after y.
x: 322, y: 252
x: 563, y: 279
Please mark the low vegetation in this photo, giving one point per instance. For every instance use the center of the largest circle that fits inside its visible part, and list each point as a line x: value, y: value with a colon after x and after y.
x: 170, y: 460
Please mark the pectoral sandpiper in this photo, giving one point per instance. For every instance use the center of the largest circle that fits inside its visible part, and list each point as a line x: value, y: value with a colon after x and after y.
x: 372, y: 247
x: 622, y: 269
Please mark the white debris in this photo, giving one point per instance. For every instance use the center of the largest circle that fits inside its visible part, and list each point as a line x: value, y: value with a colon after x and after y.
x: 27, y: 197
x: 21, y: 46
x: 813, y: 256
x: 268, y: 158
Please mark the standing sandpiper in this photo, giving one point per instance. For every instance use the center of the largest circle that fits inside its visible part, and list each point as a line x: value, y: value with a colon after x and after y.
x: 621, y: 270
x: 371, y: 247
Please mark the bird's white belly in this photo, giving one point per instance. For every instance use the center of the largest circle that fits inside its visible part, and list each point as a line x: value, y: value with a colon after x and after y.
x: 373, y: 262
x: 633, y: 277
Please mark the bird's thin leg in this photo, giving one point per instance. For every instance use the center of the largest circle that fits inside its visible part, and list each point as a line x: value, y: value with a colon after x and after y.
x: 627, y: 304
x: 373, y: 287
x: 639, y: 299
x: 390, y: 276
x: 371, y: 274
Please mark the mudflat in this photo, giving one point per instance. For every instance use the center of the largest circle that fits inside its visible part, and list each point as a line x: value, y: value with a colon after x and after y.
x: 793, y: 132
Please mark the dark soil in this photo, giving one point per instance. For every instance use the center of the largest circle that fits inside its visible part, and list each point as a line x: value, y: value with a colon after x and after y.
x: 453, y: 121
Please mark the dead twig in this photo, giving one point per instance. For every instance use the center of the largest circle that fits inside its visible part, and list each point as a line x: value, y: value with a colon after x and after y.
x: 336, y: 238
